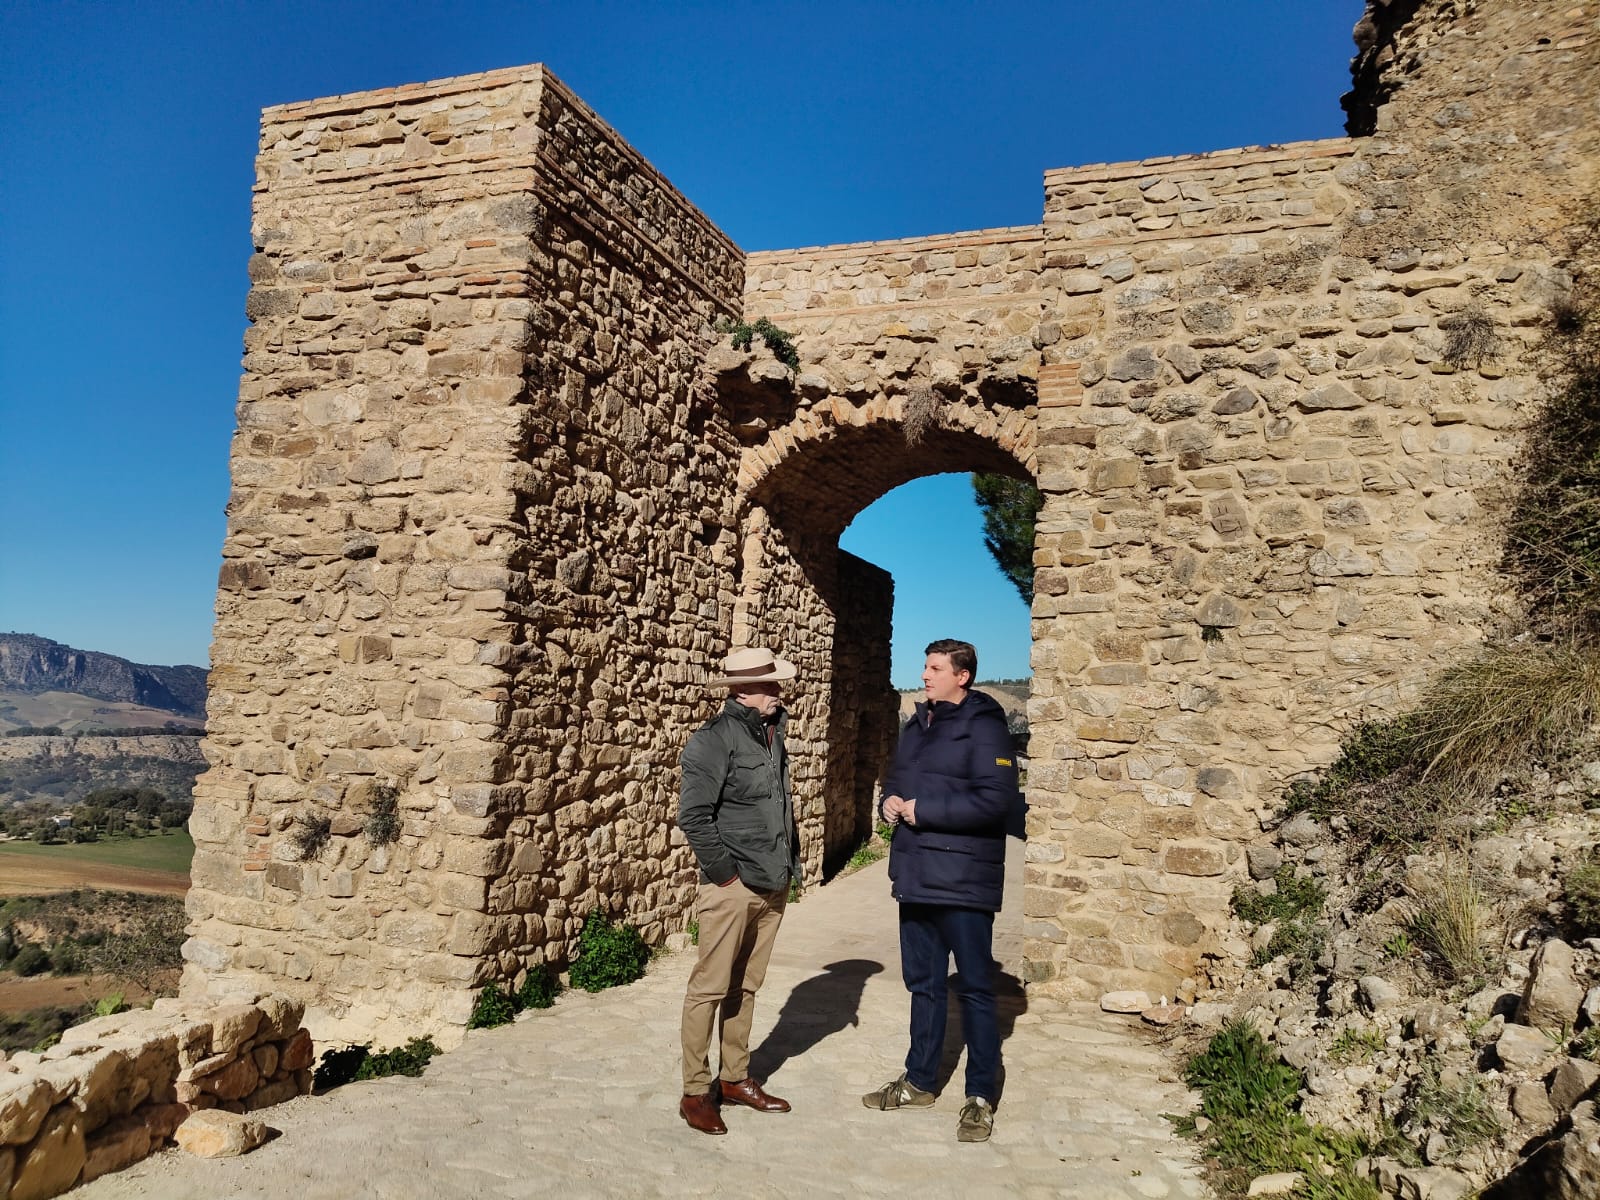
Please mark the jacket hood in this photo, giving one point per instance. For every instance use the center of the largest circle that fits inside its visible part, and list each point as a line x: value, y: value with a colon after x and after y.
x: 975, y: 704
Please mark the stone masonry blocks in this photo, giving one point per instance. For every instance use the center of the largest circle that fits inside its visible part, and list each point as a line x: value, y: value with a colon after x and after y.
x: 502, y: 497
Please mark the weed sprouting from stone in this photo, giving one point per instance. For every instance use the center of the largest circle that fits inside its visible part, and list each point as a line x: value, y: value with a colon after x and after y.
x: 312, y: 832
x: 1470, y: 337
x: 779, y: 341
x: 383, y: 817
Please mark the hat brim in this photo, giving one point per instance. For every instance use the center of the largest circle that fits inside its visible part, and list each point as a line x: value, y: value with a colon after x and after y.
x: 781, y: 671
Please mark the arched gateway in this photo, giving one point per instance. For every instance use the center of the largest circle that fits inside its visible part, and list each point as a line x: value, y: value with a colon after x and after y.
x: 501, y: 499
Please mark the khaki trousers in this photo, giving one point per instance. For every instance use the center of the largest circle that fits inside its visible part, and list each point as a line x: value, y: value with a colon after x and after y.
x: 737, y: 929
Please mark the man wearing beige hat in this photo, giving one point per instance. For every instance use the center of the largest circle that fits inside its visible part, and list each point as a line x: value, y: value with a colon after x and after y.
x: 736, y: 813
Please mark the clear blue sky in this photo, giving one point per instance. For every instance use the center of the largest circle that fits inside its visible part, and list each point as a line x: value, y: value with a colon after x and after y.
x: 126, y: 165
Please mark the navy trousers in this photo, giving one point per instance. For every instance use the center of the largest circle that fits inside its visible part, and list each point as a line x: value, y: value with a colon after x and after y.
x: 929, y: 935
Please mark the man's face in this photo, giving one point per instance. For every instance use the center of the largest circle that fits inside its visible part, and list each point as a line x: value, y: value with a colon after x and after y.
x: 942, y: 681
x: 763, y: 697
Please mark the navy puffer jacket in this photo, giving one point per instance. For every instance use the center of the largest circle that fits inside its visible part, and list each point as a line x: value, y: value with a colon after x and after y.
x: 958, y: 763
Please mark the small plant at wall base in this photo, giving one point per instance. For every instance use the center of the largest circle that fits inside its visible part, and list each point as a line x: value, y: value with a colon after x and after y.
x: 492, y: 1008
x: 352, y: 1063
x: 1374, y: 750
x: 865, y: 855
x: 1293, y: 907
x: 539, y: 989
x: 609, y: 955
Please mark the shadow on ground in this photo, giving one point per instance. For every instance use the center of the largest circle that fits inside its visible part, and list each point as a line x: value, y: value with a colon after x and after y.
x: 816, y: 1008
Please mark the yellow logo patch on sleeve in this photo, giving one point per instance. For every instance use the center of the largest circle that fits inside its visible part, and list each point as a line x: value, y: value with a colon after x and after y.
x: 1002, y: 762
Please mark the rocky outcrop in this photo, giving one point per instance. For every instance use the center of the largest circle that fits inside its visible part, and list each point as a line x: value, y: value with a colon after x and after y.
x: 36, y: 664
x: 1565, y: 1168
x: 1471, y: 1073
x: 169, y: 747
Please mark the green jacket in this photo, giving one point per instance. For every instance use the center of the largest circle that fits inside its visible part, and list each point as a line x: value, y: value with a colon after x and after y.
x: 735, y: 808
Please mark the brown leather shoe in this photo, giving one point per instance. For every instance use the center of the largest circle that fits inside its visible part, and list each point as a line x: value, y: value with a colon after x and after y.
x: 749, y: 1094
x: 701, y: 1113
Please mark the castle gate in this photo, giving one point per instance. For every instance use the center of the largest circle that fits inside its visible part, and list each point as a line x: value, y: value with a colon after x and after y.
x: 502, y: 499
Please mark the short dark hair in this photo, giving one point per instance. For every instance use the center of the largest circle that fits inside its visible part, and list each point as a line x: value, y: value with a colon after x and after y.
x: 963, y: 655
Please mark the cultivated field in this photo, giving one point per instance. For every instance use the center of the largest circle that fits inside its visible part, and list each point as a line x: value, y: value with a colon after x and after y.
x: 65, y: 991
x: 157, y: 864
x: 69, y: 711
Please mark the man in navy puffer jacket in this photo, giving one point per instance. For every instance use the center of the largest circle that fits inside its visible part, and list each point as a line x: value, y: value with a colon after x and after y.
x: 949, y: 793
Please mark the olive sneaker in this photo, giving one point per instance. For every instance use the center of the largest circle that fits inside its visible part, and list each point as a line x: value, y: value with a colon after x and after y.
x: 977, y: 1120
x: 898, y: 1093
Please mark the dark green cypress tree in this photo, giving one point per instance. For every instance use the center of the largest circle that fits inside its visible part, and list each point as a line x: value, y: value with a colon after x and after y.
x: 1010, y: 507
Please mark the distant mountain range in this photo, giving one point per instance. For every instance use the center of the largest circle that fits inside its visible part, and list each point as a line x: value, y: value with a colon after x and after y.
x: 30, y: 664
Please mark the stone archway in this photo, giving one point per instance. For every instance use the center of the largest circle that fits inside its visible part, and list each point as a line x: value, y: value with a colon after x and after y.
x: 808, y: 467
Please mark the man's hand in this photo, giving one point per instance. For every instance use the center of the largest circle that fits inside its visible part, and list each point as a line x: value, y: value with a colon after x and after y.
x: 898, y: 808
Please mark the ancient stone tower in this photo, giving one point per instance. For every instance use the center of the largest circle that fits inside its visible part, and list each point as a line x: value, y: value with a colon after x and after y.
x: 502, y: 498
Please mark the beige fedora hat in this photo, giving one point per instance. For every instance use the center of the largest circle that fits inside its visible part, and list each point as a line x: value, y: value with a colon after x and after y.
x: 753, y: 664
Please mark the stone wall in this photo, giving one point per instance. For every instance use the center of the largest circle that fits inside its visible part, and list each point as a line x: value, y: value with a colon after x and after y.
x: 502, y: 498
x: 1272, y: 459
x: 115, y: 1089
x: 452, y: 575
x: 863, y: 708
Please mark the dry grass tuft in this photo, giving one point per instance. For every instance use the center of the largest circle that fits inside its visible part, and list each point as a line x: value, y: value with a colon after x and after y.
x: 1455, y: 922
x: 1470, y: 336
x: 1510, y: 700
x: 310, y: 836
x: 922, y: 413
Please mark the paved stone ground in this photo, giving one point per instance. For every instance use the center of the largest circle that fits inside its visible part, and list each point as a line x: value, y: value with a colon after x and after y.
x: 581, y: 1099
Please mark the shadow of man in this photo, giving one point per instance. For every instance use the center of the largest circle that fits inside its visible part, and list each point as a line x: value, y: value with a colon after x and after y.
x: 817, y: 1007
x: 1010, y: 1002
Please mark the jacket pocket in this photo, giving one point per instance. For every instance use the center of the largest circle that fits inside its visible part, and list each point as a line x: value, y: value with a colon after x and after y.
x: 960, y: 873
x: 750, y: 778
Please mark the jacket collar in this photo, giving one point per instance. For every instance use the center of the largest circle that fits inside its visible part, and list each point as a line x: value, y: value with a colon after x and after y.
x: 751, y: 719
x: 941, y: 709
